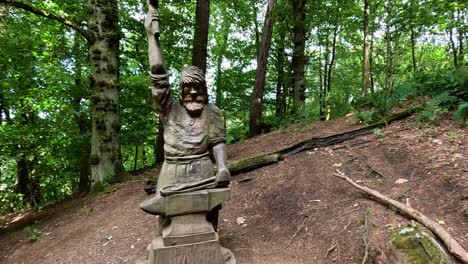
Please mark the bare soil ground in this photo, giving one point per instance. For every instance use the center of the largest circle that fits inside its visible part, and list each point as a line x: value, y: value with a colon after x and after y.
x: 295, y: 211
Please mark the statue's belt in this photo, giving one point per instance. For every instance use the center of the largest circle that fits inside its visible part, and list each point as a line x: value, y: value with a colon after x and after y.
x: 188, y: 187
x: 187, y: 159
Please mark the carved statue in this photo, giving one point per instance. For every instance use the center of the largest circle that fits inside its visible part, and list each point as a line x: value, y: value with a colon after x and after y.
x: 188, y: 193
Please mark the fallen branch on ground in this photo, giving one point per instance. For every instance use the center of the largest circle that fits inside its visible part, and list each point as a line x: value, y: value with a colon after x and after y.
x: 364, y: 237
x: 251, y: 163
x: 452, y: 245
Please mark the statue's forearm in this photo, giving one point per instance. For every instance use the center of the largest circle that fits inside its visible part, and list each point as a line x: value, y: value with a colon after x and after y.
x: 156, y: 60
x: 220, y: 155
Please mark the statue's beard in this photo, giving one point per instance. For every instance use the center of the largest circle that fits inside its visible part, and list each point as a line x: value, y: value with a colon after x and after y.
x: 194, y: 106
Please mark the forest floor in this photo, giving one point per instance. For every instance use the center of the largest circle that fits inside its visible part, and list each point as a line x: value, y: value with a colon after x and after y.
x: 294, y: 211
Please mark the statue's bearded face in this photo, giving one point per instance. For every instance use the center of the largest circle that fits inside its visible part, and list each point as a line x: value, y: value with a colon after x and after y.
x: 193, y: 98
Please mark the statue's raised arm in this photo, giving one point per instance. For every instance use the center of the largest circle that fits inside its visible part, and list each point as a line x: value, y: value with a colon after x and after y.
x: 158, y: 72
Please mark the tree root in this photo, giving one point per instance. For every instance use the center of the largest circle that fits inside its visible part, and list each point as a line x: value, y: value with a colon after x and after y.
x: 452, y: 245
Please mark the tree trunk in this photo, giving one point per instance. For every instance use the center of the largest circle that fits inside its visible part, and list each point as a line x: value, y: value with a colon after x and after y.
x: 27, y: 182
x: 461, y: 36
x: 329, y: 73
x: 298, y: 57
x: 81, y: 118
x: 143, y: 156
x: 389, y: 54
x: 257, y: 33
x: 371, y: 63
x: 159, y: 145
x: 452, y: 44
x: 200, y: 39
x: 219, y: 60
x: 366, y: 51
x: 135, y: 159
x: 280, y: 83
x: 321, y: 86
x: 257, y: 95
x: 106, y: 161
x: 413, y: 49
x: 23, y: 183
x: 3, y: 106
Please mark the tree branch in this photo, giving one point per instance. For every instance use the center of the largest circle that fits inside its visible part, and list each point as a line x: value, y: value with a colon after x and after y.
x: 452, y: 245
x: 43, y: 13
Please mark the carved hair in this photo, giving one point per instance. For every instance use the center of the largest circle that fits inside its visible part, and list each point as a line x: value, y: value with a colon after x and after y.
x: 193, y: 75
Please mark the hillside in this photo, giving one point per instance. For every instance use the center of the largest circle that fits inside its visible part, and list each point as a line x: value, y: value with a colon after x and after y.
x: 295, y: 211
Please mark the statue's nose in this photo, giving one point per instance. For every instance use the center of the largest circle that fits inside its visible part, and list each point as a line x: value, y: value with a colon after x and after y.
x: 193, y: 91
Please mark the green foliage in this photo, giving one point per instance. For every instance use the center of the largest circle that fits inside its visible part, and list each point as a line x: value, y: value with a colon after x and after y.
x: 32, y: 233
x: 86, y: 210
x: 461, y: 115
x: 377, y: 131
x: 445, y: 89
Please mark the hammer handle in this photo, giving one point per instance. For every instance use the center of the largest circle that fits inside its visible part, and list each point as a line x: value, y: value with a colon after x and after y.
x: 154, y: 5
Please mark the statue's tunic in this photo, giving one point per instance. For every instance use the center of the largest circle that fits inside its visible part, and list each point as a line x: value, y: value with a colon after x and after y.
x: 187, y: 139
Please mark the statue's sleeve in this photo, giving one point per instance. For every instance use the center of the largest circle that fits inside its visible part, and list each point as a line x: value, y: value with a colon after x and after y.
x: 161, y: 92
x: 217, y: 128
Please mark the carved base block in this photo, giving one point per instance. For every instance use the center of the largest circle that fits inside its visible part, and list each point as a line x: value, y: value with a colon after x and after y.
x: 187, y: 229
x: 208, y: 252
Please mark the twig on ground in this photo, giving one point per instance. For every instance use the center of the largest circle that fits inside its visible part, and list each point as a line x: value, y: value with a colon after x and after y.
x: 339, y: 232
x: 361, y: 159
x: 365, y: 235
x: 452, y: 245
x: 331, y: 248
x: 294, y: 235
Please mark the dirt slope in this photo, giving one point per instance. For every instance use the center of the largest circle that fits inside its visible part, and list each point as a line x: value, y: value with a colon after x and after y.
x: 295, y: 211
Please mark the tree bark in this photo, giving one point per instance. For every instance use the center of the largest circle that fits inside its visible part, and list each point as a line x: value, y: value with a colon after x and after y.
x: 453, y: 47
x: 23, y: 182
x: 298, y: 58
x: 413, y: 49
x: 389, y: 53
x: 280, y: 82
x: 461, y: 36
x: 106, y: 163
x: 3, y: 105
x: 371, y: 63
x: 321, y: 86
x: 257, y: 33
x: 366, y: 51
x: 225, y: 28
x: 329, y: 73
x: 200, y: 39
x: 135, y: 158
x: 257, y: 95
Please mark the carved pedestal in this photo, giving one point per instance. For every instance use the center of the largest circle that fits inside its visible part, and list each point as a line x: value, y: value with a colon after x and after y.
x: 206, y: 252
x: 189, y: 238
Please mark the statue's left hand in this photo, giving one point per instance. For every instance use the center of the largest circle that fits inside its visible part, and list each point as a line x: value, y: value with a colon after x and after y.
x: 222, y: 178
x: 152, y: 22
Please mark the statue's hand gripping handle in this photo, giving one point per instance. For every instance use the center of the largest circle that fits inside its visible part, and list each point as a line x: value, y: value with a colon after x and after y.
x: 152, y: 22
